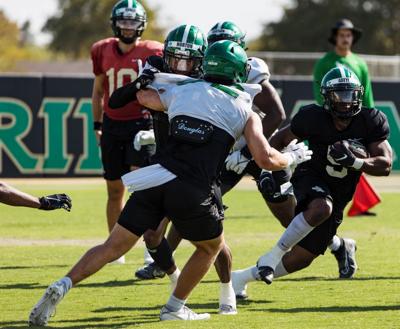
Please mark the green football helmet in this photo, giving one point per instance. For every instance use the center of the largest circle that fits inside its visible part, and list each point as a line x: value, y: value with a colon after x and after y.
x: 184, y: 49
x: 342, y: 92
x: 128, y: 15
x: 225, y: 61
x: 226, y: 31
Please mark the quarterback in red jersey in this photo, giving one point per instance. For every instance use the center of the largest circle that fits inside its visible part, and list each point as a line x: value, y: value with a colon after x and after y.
x: 116, y: 62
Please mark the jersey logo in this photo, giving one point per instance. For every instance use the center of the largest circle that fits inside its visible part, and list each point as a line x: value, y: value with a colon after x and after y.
x: 318, y: 189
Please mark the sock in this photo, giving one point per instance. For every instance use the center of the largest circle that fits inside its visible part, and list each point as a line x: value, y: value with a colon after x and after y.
x: 227, y: 294
x: 175, y: 275
x: 336, y: 243
x: 249, y: 274
x: 162, y: 255
x: 280, y: 270
x: 297, y: 230
x: 66, y: 283
x: 147, y: 257
x: 175, y: 304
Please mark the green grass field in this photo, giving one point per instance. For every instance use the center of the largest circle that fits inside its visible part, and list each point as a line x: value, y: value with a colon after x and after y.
x: 39, y: 247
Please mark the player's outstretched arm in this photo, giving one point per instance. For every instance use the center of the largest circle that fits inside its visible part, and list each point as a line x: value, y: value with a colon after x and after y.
x: 380, y: 161
x: 269, y: 102
x: 283, y: 138
x: 13, y: 197
x: 266, y: 156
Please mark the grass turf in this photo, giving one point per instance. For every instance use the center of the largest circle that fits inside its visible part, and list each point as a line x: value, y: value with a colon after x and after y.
x: 39, y: 247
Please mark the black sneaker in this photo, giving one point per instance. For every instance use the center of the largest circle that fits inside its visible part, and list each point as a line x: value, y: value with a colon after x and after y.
x: 150, y: 272
x: 266, y: 274
x: 346, y: 258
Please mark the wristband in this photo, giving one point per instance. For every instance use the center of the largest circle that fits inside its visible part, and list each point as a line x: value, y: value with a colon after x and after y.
x: 97, y: 125
x: 358, y: 163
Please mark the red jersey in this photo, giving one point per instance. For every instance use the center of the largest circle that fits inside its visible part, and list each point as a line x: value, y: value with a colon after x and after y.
x: 121, y: 68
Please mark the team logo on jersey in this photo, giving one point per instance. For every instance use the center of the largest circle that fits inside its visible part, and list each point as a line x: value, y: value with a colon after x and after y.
x: 317, y: 188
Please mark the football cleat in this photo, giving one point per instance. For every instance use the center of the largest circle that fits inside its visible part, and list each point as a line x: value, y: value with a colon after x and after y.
x: 239, y: 286
x: 185, y: 313
x: 266, y: 274
x: 346, y: 258
x: 225, y: 309
x: 149, y: 272
x: 46, y: 307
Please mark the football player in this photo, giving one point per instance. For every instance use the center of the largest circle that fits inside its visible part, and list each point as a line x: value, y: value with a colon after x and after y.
x: 269, y: 104
x: 324, y: 185
x: 206, y: 116
x: 11, y: 196
x: 117, y: 61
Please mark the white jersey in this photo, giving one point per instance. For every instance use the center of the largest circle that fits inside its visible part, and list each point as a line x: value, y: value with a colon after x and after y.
x: 259, y: 70
x: 227, y: 107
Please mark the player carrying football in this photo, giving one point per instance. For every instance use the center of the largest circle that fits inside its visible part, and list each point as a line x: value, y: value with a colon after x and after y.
x: 324, y: 185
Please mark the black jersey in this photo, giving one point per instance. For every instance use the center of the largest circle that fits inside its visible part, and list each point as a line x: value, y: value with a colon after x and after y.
x: 315, y: 124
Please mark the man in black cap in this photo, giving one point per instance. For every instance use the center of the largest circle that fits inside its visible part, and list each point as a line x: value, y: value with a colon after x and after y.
x: 343, y: 36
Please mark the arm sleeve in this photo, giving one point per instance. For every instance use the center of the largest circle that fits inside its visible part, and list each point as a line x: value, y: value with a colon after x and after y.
x: 368, y: 98
x: 96, y: 59
x: 379, y: 130
x: 318, y: 74
x: 123, y: 95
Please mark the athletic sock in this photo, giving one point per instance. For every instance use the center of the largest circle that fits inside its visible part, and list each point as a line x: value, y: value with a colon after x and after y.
x: 147, y: 257
x: 336, y: 243
x: 280, y: 270
x: 175, y: 304
x: 174, y: 275
x: 227, y: 294
x: 297, y: 230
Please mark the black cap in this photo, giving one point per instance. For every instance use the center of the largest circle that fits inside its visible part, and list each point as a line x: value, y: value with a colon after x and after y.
x: 345, y: 24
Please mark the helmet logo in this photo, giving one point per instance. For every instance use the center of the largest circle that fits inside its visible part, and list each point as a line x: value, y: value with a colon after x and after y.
x: 183, y: 45
x: 130, y: 12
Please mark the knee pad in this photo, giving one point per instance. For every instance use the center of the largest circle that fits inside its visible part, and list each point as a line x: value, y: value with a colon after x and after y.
x: 275, y: 186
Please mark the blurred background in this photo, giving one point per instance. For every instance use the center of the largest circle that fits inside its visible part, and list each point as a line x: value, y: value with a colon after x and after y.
x: 56, y: 35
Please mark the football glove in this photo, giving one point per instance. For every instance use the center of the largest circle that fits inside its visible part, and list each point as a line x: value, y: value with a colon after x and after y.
x: 145, y: 78
x: 143, y: 137
x: 297, y: 153
x: 55, y: 201
x: 236, y: 162
x: 341, y: 154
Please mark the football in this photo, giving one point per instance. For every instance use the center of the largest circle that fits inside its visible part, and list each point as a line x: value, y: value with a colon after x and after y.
x: 357, y: 148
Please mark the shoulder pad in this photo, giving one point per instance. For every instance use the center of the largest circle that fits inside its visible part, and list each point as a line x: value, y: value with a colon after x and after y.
x: 259, y: 70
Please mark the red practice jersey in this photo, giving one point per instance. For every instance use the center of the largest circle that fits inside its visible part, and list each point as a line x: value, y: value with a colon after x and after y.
x: 120, y: 69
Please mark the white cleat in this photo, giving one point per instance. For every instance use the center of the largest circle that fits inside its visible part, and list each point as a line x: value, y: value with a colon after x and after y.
x: 46, y: 307
x: 239, y: 286
x: 185, y: 313
x: 118, y: 261
x: 225, y: 309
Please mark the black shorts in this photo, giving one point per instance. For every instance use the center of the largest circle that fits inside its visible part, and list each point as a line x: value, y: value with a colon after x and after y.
x: 192, y: 210
x: 117, y: 152
x: 230, y: 179
x: 310, y: 187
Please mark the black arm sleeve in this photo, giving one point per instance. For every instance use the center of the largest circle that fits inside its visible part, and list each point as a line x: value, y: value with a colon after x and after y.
x: 126, y: 94
x: 123, y: 95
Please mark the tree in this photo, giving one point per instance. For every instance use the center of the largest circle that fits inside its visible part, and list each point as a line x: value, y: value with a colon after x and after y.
x: 306, y: 25
x: 80, y: 23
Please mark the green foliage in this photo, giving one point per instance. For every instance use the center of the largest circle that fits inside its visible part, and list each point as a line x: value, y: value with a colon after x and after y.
x: 306, y: 25
x: 38, y: 248
x: 80, y: 23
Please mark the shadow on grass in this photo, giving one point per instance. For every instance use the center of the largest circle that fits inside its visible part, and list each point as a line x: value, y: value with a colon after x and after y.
x: 330, y: 309
x: 157, y: 308
x: 320, y: 278
x: 30, y: 267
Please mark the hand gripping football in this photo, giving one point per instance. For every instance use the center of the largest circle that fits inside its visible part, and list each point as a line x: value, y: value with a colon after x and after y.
x: 357, y: 148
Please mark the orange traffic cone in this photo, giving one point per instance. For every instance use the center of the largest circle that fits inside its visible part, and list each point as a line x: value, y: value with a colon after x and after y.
x: 365, y: 197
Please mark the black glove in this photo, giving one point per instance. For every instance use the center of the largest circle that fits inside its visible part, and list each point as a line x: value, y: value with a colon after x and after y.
x: 145, y: 78
x: 341, y: 154
x: 55, y: 201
